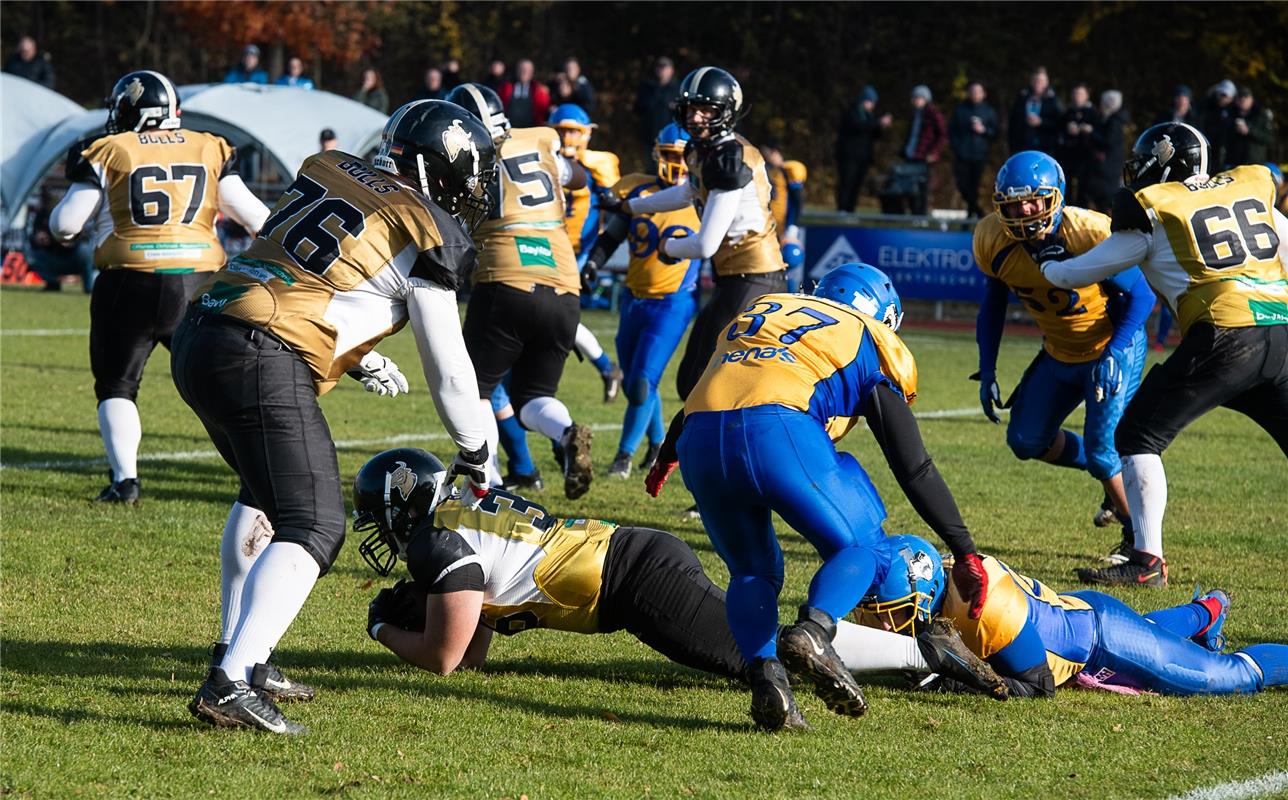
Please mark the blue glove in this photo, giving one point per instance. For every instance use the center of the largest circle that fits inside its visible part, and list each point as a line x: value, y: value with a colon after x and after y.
x: 1107, y: 376
x: 990, y: 396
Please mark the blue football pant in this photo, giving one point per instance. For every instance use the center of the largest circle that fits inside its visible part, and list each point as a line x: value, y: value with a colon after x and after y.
x: 648, y: 334
x: 744, y: 465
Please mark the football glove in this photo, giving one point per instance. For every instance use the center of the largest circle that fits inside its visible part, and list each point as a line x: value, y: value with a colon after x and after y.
x: 380, y: 375
x: 473, y: 467
x: 971, y: 581
x: 1049, y: 248
x: 379, y: 610
x: 1107, y: 375
x: 661, y: 246
x: 990, y: 396
x: 589, y: 276
x: 658, y: 475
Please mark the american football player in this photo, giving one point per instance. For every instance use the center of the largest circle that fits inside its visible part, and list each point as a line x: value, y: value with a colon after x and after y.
x: 659, y: 298
x: 729, y: 188
x: 1216, y: 250
x: 152, y: 191
x: 1093, y: 336
x: 789, y: 377
x: 524, y: 310
x: 351, y: 253
x: 1038, y: 639
x: 786, y: 190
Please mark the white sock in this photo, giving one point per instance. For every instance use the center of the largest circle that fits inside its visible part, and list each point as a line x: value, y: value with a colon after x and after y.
x: 547, y: 416
x: 1145, y: 484
x: 493, y: 437
x: 119, y: 425
x: 587, y: 344
x: 278, y: 584
x: 246, y: 534
x: 865, y: 649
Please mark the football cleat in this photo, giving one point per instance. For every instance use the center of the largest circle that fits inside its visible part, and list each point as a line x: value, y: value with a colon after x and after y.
x: 1211, y: 636
x: 127, y: 492
x: 773, y: 707
x: 621, y: 466
x: 612, y: 383
x: 691, y: 512
x: 515, y: 482
x: 1106, y: 515
x: 269, y: 681
x: 577, y: 468
x: 1140, y: 569
x: 947, y: 655
x: 650, y: 456
x: 1122, y: 550
x: 226, y: 703
x: 806, y: 649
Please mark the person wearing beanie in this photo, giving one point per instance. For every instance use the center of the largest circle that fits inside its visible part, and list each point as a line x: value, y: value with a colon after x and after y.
x: 927, y: 135
x: 1182, y: 108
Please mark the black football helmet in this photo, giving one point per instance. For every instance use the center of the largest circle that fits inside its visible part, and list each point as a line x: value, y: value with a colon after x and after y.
x: 142, y: 99
x: 444, y: 151
x: 485, y: 104
x: 709, y: 86
x: 1172, y: 151
x: 385, y: 492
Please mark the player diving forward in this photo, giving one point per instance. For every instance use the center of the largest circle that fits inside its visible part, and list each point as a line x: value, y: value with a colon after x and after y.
x: 1216, y: 250
x: 1093, y: 338
x: 152, y: 190
x: 791, y: 376
x: 1037, y: 639
x: 351, y: 253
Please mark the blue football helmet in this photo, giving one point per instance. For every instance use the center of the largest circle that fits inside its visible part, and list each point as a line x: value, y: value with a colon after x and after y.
x: 574, y: 126
x: 913, y: 588
x: 866, y: 288
x: 1276, y: 174
x: 1029, y: 175
x: 668, y: 151
x: 793, y: 255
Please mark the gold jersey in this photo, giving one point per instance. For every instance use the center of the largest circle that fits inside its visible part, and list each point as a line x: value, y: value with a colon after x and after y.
x: 524, y: 244
x: 782, y: 179
x: 1075, y: 322
x: 647, y: 276
x: 331, y: 269
x: 538, y: 571
x: 160, y: 198
x: 807, y: 353
x: 1214, y: 252
x: 582, y: 219
x: 751, y: 245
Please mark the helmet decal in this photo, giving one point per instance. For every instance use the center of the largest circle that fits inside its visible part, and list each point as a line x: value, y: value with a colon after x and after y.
x: 456, y: 139
x: 134, y: 90
x: 402, y: 479
x: 1163, y: 150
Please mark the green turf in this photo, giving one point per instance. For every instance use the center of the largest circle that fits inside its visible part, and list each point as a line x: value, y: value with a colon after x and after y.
x: 107, y: 614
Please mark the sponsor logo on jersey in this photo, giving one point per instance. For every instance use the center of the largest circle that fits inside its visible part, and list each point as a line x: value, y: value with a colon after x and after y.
x: 220, y: 295
x: 262, y: 271
x: 402, y: 479
x: 758, y: 354
x: 1268, y: 312
x: 535, y: 251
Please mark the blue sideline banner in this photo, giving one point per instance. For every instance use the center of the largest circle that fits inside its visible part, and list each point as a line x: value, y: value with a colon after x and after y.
x: 923, y: 264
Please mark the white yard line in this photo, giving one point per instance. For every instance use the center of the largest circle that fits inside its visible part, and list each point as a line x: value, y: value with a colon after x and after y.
x: 45, y: 332
x: 385, y: 441
x: 1260, y: 786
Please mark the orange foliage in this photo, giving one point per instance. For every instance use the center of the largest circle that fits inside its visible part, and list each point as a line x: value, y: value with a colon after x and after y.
x: 336, y: 32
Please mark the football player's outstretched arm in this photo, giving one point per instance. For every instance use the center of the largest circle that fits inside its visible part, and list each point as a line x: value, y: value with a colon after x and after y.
x: 572, y: 175
x: 1127, y: 246
x: 669, y: 199
x: 76, y: 208
x: 989, y: 324
x: 717, y: 217
x: 451, y: 638
x: 1022, y: 666
x: 236, y: 202
x: 449, y: 372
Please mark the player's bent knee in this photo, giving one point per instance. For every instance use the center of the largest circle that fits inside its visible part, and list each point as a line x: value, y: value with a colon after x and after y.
x: 121, y: 389
x: 1025, y: 447
x: 322, y: 542
x: 637, y: 389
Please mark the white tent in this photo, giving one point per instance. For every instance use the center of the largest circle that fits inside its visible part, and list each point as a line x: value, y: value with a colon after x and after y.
x: 30, y: 111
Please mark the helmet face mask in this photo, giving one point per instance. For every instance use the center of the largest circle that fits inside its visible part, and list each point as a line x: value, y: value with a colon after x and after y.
x: 710, y: 103
x: 141, y: 100
x: 912, y: 591
x: 1029, y: 177
x: 390, y: 492
x: 668, y: 151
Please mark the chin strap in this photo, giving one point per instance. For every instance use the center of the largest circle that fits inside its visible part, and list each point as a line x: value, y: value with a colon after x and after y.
x: 420, y: 169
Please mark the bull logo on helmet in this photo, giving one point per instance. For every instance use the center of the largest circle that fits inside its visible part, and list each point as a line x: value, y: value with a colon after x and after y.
x: 921, y: 568
x: 134, y: 90
x: 403, y: 479
x: 457, y: 140
x: 1164, y: 150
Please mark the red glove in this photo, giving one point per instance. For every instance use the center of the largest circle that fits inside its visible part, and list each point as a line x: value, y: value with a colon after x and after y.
x: 971, y: 582
x: 657, y: 476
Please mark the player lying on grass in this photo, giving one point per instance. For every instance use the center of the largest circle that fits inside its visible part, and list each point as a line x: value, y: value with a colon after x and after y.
x: 1037, y: 639
x: 509, y: 566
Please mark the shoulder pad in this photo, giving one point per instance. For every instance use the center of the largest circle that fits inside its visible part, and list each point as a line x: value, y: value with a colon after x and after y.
x: 450, y: 263
x: 1086, y: 229
x: 1128, y: 214
x: 723, y: 168
x: 78, y: 168
x: 432, y: 550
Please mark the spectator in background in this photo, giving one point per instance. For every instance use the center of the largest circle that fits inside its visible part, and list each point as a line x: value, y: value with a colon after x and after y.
x: 27, y: 62
x: 1215, y: 115
x: 372, y: 92
x: 496, y: 76
x: 1035, y: 116
x: 1182, y: 109
x: 927, y: 135
x: 1249, y: 133
x: 327, y: 141
x: 1106, y: 173
x: 50, y: 257
x: 971, y: 132
x: 655, y: 98
x: 451, y: 75
x: 432, y: 88
x: 247, y: 70
x: 572, y: 86
x: 1077, y: 154
x: 526, y: 100
x: 856, y: 135
x: 295, y: 75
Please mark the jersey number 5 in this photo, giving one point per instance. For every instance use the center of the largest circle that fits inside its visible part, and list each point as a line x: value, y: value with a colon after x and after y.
x: 151, y: 206
x: 1225, y: 248
x: 308, y: 241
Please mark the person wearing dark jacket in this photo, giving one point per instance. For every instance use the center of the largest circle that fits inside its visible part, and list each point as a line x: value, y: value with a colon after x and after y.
x: 1077, y: 154
x: 1214, y: 116
x: 1035, y: 116
x: 971, y: 132
x: 654, y: 100
x: 1105, y: 175
x: 28, y: 63
x: 927, y: 135
x: 1182, y: 109
x: 859, y: 129
x: 1249, y: 132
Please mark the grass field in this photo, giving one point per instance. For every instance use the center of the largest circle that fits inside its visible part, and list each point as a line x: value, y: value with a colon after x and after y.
x: 107, y: 614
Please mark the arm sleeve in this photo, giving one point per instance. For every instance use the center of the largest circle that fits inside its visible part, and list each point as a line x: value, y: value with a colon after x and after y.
x: 236, y: 201
x: 1129, y: 312
x: 717, y: 218
x: 989, y: 324
x: 449, y: 372
x: 668, y: 199
x: 443, y: 562
x: 75, y: 209
x: 1121, y: 250
x: 1022, y: 664
x: 795, y: 201
x: 613, y: 234
x: 896, y: 432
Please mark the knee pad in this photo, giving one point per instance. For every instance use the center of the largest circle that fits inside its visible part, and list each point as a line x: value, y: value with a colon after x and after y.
x: 637, y: 389
x: 1024, y: 447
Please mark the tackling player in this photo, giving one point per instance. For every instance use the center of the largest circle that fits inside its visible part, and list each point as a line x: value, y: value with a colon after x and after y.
x: 659, y: 298
x: 152, y: 190
x: 1216, y: 250
x: 791, y: 376
x: 351, y: 253
x: 1093, y: 346
x: 523, y: 312
x: 1037, y: 639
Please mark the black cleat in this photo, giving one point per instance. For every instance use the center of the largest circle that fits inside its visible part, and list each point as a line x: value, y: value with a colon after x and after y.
x: 577, y: 467
x: 621, y: 466
x: 947, y: 655
x: 515, y: 482
x: 772, y: 705
x: 269, y: 681
x: 1122, y: 550
x: 126, y: 492
x: 227, y: 703
x: 650, y: 456
x: 1140, y: 569
x: 806, y: 649
x: 612, y: 383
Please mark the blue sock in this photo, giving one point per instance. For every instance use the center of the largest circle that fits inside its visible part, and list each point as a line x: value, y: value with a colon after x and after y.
x: 1273, y: 661
x: 604, y: 364
x: 1074, y: 454
x: 1184, y: 621
x: 514, y: 441
x: 751, y: 605
x: 843, y: 580
x: 637, y: 418
x: 656, y: 426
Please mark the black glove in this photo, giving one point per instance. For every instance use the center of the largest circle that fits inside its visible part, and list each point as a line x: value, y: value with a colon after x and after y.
x: 401, y: 605
x: 1048, y: 248
x: 473, y: 465
x: 610, y: 202
x: 378, y: 610
x: 589, y: 276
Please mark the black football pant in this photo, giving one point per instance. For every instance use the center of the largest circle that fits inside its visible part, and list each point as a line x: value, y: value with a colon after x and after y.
x: 257, y: 401
x: 655, y: 588
x: 849, y: 183
x: 967, y: 175
x: 732, y: 295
